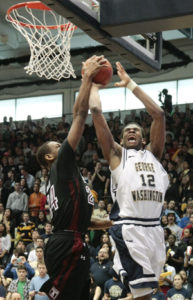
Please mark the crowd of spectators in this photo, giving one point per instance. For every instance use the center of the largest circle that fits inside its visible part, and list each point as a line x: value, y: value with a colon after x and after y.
x: 25, y: 221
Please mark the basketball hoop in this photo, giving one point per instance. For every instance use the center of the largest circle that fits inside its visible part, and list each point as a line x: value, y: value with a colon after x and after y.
x: 48, y: 35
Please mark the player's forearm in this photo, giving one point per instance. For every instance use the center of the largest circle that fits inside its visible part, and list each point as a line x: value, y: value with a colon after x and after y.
x: 103, y: 133
x: 81, y: 104
x: 94, y: 101
x: 153, y: 109
x: 97, y: 223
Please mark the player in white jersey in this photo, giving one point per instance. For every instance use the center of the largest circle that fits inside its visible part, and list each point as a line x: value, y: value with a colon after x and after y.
x: 139, y: 183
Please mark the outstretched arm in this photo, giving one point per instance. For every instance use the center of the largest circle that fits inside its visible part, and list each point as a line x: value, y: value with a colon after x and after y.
x: 157, y: 131
x: 111, y: 150
x: 80, y: 109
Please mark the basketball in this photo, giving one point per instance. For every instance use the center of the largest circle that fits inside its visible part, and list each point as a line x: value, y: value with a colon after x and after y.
x: 104, y: 75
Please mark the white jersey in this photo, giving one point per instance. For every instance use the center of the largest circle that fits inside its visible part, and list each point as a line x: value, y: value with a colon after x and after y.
x: 138, y: 186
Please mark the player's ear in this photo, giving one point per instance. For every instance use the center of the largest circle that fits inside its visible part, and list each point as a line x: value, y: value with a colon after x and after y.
x: 143, y: 141
x: 49, y: 156
x: 121, y: 142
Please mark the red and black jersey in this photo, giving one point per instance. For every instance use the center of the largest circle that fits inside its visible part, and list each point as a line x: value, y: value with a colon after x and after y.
x: 69, y: 198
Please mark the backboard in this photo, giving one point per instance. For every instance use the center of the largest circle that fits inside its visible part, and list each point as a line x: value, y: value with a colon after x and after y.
x: 142, y: 51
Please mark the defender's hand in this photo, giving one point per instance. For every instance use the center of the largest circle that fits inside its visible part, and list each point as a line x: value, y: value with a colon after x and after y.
x: 125, y: 78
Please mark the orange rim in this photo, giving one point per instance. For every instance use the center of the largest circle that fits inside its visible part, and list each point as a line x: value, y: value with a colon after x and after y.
x: 36, y: 5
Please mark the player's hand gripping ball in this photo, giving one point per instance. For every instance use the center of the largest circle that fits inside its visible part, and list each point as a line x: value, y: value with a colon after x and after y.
x: 104, y: 75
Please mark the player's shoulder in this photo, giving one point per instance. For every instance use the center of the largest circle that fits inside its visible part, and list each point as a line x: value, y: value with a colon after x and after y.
x: 65, y: 150
x: 152, y: 155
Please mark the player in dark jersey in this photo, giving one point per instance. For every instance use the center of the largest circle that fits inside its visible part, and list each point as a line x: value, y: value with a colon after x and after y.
x: 71, y: 204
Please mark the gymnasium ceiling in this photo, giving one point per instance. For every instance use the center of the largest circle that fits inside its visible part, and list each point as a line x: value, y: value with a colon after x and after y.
x: 14, y: 51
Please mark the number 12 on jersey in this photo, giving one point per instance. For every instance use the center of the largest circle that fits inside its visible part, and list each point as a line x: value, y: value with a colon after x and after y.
x: 148, y: 180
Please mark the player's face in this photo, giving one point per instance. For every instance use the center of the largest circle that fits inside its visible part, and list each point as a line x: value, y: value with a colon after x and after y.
x: 132, y: 137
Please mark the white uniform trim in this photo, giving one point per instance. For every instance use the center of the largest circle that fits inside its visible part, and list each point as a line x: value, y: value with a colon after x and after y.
x: 145, y: 279
x: 141, y: 223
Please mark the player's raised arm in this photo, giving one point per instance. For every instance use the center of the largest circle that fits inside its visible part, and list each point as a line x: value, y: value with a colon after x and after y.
x: 111, y: 150
x: 157, y: 132
x: 80, y: 109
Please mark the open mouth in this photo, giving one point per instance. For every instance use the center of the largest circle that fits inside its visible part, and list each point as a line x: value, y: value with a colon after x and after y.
x: 131, y: 139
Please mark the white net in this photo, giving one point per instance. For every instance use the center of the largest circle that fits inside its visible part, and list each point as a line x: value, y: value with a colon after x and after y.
x: 49, y: 36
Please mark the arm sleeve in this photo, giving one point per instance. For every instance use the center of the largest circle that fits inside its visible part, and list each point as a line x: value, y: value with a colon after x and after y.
x: 8, y: 272
x: 30, y: 270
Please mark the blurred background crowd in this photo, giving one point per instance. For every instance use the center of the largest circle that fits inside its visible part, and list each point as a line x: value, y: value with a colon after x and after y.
x: 25, y: 224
